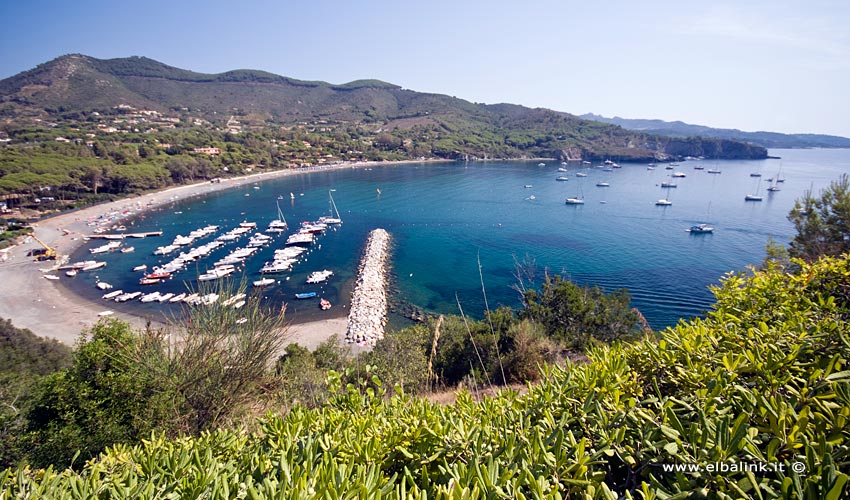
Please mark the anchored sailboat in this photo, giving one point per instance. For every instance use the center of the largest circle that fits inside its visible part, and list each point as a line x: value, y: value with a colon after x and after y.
x: 334, y: 218
x: 278, y: 225
x: 755, y: 197
x: 578, y: 200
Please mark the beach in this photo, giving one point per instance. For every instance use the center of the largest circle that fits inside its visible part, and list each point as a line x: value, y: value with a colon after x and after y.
x: 49, y: 309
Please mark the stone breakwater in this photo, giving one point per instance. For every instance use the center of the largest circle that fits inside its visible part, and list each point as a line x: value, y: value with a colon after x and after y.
x: 368, y: 314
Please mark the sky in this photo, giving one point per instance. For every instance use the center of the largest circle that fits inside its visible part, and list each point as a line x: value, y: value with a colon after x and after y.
x: 773, y: 65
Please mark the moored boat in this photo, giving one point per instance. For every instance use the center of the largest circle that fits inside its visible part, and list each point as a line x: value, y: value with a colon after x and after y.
x: 325, y: 304
x: 700, y: 229
x: 319, y: 276
x: 93, y: 266
x: 263, y: 282
x: 305, y: 295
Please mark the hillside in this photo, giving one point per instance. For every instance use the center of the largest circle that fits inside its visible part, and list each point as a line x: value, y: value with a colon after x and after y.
x: 764, y: 139
x: 81, y: 84
x: 751, y: 402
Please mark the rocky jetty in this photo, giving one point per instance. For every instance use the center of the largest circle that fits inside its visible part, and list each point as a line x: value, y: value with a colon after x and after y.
x: 368, y: 314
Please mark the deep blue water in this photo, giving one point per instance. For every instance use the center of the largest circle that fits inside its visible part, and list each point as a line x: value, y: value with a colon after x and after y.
x: 444, y: 217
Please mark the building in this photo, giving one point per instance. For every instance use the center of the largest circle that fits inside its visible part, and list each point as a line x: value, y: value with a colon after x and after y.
x: 207, y: 151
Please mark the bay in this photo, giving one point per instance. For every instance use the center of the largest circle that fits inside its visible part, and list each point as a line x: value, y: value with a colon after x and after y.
x: 445, y: 218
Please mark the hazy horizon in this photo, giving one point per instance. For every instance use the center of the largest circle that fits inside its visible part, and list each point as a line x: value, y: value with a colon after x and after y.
x: 761, y: 66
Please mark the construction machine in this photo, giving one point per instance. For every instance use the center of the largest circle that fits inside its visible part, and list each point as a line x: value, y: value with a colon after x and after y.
x: 47, y: 252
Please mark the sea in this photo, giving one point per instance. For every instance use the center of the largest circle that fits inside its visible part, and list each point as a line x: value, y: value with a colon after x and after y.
x: 470, y: 235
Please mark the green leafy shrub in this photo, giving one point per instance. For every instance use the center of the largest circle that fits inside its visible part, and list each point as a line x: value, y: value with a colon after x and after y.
x: 762, y: 379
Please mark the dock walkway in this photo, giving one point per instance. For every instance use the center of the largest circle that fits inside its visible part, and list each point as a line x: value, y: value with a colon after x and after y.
x: 121, y: 236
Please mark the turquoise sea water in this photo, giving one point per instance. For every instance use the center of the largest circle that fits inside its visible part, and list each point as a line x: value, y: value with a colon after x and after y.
x: 445, y: 217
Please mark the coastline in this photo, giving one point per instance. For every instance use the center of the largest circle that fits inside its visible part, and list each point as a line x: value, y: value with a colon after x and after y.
x: 50, y: 309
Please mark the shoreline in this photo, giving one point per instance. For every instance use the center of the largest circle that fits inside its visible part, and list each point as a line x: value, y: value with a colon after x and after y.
x: 50, y: 309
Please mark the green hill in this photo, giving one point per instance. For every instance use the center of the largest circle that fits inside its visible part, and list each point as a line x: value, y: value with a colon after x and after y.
x: 78, y: 83
x: 765, y: 139
x: 751, y: 402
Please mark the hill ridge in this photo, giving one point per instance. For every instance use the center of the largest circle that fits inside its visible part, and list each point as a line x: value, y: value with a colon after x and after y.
x: 762, y: 138
x: 80, y: 83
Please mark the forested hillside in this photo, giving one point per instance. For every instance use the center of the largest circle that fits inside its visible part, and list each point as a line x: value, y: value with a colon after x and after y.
x: 764, y: 139
x: 74, y: 84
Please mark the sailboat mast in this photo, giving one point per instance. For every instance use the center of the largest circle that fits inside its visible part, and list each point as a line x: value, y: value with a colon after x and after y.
x: 334, y: 210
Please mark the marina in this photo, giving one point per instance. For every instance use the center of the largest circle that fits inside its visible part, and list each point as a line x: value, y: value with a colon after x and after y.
x: 460, y: 210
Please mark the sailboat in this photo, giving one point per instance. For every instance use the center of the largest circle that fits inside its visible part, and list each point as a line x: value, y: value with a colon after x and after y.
x: 754, y: 197
x: 665, y: 202
x: 773, y: 186
x: 278, y: 225
x: 334, y: 217
x: 578, y: 200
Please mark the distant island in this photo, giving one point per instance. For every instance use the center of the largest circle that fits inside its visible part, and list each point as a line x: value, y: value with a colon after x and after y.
x: 765, y: 139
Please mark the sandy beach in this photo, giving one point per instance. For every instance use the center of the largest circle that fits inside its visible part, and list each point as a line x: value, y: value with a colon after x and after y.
x: 49, y: 309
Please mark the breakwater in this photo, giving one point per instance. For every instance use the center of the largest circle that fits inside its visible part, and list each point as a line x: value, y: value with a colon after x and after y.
x: 368, y: 314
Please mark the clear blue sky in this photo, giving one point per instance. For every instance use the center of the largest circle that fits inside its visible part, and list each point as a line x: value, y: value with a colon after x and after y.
x: 772, y: 65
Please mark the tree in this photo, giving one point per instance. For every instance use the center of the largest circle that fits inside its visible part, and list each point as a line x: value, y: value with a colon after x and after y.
x: 574, y: 315
x: 822, y: 224
x: 101, y: 400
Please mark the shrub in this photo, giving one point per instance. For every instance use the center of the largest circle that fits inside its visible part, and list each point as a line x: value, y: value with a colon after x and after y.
x: 762, y: 379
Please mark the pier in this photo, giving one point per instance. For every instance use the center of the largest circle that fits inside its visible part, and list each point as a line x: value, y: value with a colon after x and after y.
x: 121, y: 236
x: 368, y: 314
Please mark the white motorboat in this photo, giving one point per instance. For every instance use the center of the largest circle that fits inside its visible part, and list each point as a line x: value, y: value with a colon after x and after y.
x: 112, y: 295
x: 277, y: 266
x: 93, y: 266
x: 300, y: 239
x: 104, y: 285
x: 700, y: 229
x: 264, y: 282
x: 663, y: 202
x: 319, y: 276
x: 217, y: 273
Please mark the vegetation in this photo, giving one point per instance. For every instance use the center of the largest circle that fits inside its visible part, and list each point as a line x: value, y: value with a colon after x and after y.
x: 24, y: 359
x: 575, y: 315
x: 124, y: 384
x: 761, y: 380
x: 823, y: 223
x: 770, y: 140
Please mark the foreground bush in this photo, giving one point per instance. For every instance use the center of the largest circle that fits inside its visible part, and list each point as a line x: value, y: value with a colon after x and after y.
x: 762, y: 380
